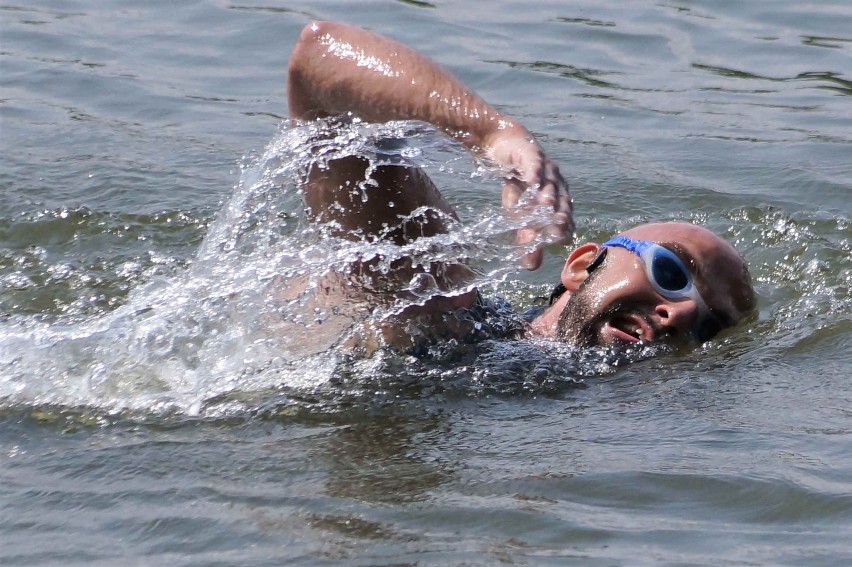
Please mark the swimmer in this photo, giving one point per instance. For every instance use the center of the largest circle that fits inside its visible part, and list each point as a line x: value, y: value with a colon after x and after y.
x: 672, y: 283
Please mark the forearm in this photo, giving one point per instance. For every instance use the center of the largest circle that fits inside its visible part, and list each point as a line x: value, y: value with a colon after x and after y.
x: 335, y: 69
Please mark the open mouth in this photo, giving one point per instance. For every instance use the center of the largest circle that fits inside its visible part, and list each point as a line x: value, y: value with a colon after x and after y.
x: 629, y: 329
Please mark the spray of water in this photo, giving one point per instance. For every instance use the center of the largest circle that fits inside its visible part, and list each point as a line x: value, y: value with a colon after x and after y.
x: 236, y: 330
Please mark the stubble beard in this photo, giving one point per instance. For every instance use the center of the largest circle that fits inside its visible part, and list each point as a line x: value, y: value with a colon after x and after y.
x: 578, y: 321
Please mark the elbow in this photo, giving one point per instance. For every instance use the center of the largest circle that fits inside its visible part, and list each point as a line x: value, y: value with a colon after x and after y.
x: 315, y: 30
x: 307, y: 39
x: 302, y: 71
x: 310, y: 32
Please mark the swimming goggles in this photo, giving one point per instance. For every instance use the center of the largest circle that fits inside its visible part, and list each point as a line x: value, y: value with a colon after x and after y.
x: 665, y: 270
x: 670, y: 278
x: 668, y: 275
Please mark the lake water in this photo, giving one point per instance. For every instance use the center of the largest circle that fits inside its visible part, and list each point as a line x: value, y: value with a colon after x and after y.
x: 150, y: 414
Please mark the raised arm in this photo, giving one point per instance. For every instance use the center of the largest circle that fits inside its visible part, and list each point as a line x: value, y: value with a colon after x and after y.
x: 337, y: 69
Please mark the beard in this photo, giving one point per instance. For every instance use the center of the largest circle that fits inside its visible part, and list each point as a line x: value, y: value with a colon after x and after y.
x: 579, y: 319
x: 582, y: 319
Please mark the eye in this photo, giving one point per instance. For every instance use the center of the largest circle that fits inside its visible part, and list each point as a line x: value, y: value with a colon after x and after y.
x: 669, y: 272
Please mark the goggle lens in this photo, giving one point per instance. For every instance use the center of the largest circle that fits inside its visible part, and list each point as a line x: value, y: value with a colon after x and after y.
x: 668, y: 271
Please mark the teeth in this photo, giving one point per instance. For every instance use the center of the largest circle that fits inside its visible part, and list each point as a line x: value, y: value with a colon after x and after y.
x: 638, y: 333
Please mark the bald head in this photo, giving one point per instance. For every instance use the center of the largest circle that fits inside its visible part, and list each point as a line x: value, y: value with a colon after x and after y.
x: 720, y: 273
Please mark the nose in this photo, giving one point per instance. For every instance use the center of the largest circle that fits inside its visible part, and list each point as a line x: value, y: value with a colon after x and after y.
x: 676, y: 317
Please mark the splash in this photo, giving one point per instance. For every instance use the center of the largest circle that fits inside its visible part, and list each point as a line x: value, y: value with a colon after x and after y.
x: 219, y: 334
x: 232, y: 330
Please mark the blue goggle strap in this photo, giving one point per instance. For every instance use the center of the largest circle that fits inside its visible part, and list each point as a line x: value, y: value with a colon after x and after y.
x: 635, y: 246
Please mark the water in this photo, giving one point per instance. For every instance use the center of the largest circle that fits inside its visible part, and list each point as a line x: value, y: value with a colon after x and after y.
x: 152, y: 415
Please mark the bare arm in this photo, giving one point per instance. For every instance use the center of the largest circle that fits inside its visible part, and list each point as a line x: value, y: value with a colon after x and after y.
x: 335, y: 69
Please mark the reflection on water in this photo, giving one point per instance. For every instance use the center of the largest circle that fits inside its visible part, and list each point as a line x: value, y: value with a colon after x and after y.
x: 393, y: 443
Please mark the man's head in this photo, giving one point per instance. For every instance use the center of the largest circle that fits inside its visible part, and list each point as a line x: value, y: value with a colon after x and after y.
x: 667, y: 282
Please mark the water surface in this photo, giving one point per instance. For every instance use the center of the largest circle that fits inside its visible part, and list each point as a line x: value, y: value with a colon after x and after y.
x: 150, y: 416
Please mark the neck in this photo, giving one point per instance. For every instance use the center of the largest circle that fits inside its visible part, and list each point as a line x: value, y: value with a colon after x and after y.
x: 545, y: 324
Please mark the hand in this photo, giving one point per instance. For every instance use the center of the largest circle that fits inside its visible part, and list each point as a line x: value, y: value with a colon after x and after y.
x: 530, y: 168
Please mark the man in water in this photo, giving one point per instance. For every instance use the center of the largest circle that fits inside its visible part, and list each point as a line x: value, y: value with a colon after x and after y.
x: 673, y: 283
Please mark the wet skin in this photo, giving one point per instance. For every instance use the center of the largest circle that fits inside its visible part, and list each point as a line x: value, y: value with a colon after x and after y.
x: 617, y: 304
x: 340, y: 71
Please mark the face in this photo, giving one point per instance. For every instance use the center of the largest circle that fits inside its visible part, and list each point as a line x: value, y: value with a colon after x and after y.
x: 618, y: 304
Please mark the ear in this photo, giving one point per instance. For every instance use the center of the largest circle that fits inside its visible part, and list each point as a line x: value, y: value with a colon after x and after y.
x: 574, y: 272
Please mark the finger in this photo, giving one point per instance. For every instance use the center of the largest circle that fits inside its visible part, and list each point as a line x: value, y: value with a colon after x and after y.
x: 525, y: 235
x: 563, y: 210
x: 563, y: 222
x: 512, y: 190
x: 547, y: 195
x: 557, y: 233
x: 532, y: 260
x: 564, y: 203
